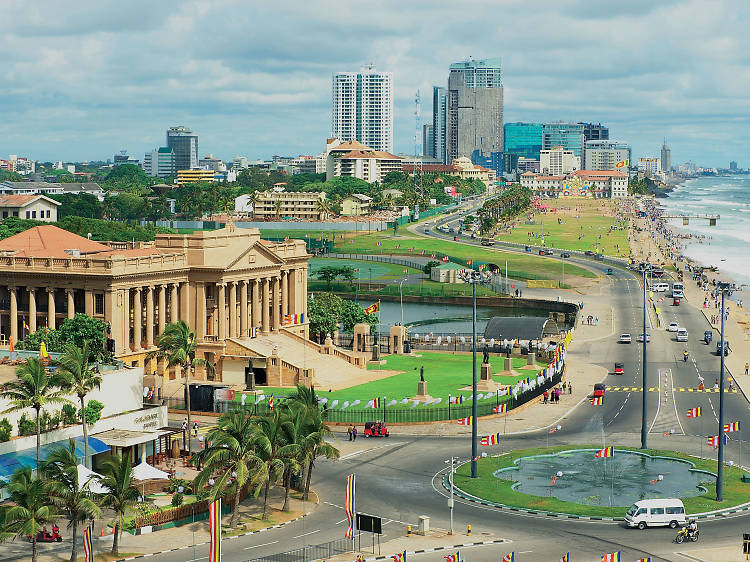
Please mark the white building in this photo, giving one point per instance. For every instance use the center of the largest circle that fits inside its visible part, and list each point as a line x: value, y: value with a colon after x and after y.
x: 353, y: 159
x: 607, y: 155
x: 363, y: 107
x: 160, y: 163
x: 649, y: 166
x: 558, y: 162
x: 581, y: 183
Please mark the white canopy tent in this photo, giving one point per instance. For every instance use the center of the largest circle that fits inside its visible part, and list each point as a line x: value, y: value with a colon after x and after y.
x: 145, y: 471
x: 87, y: 475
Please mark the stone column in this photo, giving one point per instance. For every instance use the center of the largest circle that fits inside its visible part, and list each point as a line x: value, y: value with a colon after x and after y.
x: 256, y: 314
x: 264, y: 306
x: 13, y: 314
x: 275, y: 282
x: 173, y: 304
x: 137, y: 319
x: 201, y: 312
x: 162, y: 308
x: 71, y: 302
x: 51, y: 308
x: 125, y: 312
x: 303, y: 291
x: 88, y: 303
x: 32, y: 309
x: 292, y: 291
x: 284, y: 293
x: 113, y: 317
x: 221, y: 305
x: 185, y: 303
x: 149, y: 317
x: 243, y: 308
x: 233, y: 309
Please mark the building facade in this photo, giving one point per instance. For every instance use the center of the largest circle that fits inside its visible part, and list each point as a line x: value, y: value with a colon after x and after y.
x: 607, y: 155
x: 160, y: 162
x: 275, y: 205
x: 594, y: 131
x: 649, y: 166
x: 582, y: 183
x: 474, y: 127
x: 558, y: 161
x: 356, y: 205
x: 567, y: 135
x: 363, y: 107
x: 185, y: 145
x: 439, y: 123
x: 354, y: 159
x: 428, y: 140
x: 33, y: 207
x: 190, y: 176
x: 523, y: 139
x: 666, y: 158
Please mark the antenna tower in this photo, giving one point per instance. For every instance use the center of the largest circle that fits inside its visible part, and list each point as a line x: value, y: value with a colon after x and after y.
x: 418, y: 149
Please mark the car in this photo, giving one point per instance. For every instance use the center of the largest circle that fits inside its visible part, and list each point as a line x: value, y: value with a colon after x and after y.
x: 426, y: 230
x: 673, y: 327
x: 675, y: 302
x: 619, y: 369
x: 545, y: 252
x: 609, y: 271
x: 565, y: 255
x: 656, y: 512
x: 708, y: 335
x: 682, y: 335
x: 625, y: 338
x: 487, y: 242
x: 640, y: 337
x: 451, y: 230
x: 588, y: 253
x: 599, y: 257
x: 527, y: 249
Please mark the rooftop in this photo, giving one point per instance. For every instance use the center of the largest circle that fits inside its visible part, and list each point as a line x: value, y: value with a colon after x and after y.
x: 23, y: 200
x: 600, y: 173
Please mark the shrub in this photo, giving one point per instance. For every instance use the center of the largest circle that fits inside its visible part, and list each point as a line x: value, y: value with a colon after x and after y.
x: 26, y: 426
x: 48, y: 421
x: 177, y: 499
x: 93, y: 411
x: 69, y: 414
x: 175, y: 483
x: 5, y: 430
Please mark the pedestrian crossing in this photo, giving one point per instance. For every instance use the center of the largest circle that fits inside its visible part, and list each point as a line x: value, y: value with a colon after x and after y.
x: 674, y: 389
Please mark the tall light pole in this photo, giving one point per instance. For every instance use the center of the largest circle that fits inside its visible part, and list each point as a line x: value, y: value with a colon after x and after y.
x: 474, y: 280
x: 720, y: 461
x: 644, y: 430
x: 401, y: 298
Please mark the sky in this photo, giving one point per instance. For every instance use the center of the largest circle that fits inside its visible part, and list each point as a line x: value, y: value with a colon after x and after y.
x: 84, y: 81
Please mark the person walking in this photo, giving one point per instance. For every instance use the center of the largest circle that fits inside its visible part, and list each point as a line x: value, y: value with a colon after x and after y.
x: 349, y: 431
x: 354, y: 433
x: 195, y: 429
x: 747, y: 368
x: 545, y: 394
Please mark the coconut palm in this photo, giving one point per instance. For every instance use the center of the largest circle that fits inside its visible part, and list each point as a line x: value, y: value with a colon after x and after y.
x: 67, y: 493
x: 31, y: 509
x: 308, y: 398
x: 277, y: 209
x: 296, y: 434
x: 316, y: 446
x: 75, y: 375
x: 229, y: 459
x: 178, y: 344
x: 117, y: 476
x: 33, y: 389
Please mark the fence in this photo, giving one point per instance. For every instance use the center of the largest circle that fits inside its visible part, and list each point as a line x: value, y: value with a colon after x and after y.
x: 311, y: 552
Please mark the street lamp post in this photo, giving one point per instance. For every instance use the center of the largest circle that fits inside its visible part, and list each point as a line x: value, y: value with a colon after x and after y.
x: 451, y: 501
x: 720, y: 468
x: 401, y: 298
x: 644, y: 413
x: 474, y: 281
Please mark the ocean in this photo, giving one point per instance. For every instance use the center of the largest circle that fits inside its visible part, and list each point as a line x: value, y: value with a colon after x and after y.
x: 726, y: 245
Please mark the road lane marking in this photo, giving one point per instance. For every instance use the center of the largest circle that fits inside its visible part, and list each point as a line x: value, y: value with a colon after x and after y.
x: 305, y: 534
x: 355, y: 453
x: 259, y: 545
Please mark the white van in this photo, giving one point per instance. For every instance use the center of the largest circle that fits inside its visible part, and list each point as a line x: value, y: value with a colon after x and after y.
x: 656, y: 513
x: 678, y: 290
x: 660, y: 287
x: 682, y: 335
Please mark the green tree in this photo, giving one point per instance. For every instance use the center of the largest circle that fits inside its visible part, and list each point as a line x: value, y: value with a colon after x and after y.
x: 126, y: 177
x: 316, y: 445
x: 322, y: 313
x: 230, y: 458
x: 67, y: 493
x: 328, y: 274
x: 31, y: 507
x: 32, y: 388
x: 352, y: 313
x: 117, y: 477
x: 78, y: 204
x: 429, y: 265
x: 76, y: 376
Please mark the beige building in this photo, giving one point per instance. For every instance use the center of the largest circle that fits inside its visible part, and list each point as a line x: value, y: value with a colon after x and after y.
x: 587, y: 183
x: 558, y: 162
x: 277, y: 204
x: 35, y: 207
x: 354, y: 159
x: 356, y: 205
x: 226, y: 285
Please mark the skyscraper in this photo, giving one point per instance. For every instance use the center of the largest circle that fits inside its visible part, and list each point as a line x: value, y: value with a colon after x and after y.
x: 523, y: 139
x: 439, y: 122
x: 428, y: 140
x: 185, y: 146
x: 363, y: 108
x: 666, y: 158
x: 593, y: 131
x: 474, y: 125
x: 567, y: 135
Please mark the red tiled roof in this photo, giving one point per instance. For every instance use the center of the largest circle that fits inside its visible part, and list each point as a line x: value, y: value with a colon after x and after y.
x: 377, y: 154
x: 49, y: 241
x: 23, y: 200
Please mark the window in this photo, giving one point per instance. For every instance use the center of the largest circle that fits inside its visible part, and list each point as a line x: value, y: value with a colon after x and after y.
x: 642, y: 511
x: 48, y: 213
x: 657, y: 511
x: 28, y: 214
x: 675, y: 510
x: 98, y: 303
x: 5, y: 214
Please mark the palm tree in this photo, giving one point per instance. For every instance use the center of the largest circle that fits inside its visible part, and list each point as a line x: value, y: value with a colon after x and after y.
x: 307, y: 397
x: 33, y: 389
x: 178, y: 344
x: 323, y: 207
x: 76, y: 376
x: 316, y: 446
x: 277, y: 208
x: 272, y: 450
x: 117, y: 476
x: 297, y: 434
x: 230, y: 458
x: 31, y: 509
x: 61, y: 471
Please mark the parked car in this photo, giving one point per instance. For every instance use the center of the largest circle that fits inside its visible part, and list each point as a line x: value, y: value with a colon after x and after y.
x: 640, y: 337
x: 625, y: 338
x: 565, y: 255
x: 588, y: 253
x: 619, y: 369
x: 682, y: 335
x: 673, y: 327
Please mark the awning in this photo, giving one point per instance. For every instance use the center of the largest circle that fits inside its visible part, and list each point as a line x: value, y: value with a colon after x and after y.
x: 128, y: 438
x: 10, y: 462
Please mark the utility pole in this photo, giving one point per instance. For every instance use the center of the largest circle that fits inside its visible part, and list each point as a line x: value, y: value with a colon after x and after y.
x: 474, y: 280
x: 720, y: 468
x: 644, y: 429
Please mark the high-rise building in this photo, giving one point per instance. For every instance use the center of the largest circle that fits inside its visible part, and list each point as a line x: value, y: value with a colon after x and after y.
x: 474, y: 127
x: 185, y: 146
x: 160, y: 162
x: 439, y: 122
x: 428, y: 141
x: 523, y: 139
x: 649, y: 166
x: 733, y: 166
x: 593, y: 131
x: 607, y: 155
x: 666, y: 158
x: 363, y: 107
x: 567, y: 135
x: 558, y: 162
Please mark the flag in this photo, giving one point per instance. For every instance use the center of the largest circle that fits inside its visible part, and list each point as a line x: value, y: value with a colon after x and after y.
x: 88, y: 546
x: 377, y: 243
x: 488, y: 440
x: 622, y: 163
x: 214, y: 519
x: 11, y: 345
x: 613, y: 557
x: 399, y: 557
x: 405, y: 271
x: 270, y: 403
x: 454, y: 557
x: 605, y: 453
x: 728, y: 427
x: 456, y: 399
x: 464, y: 421
x: 553, y: 430
x: 373, y: 308
x: 375, y: 403
x: 597, y: 401
x: 694, y: 412
x: 647, y: 559
x: 510, y: 557
x: 713, y: 441
x: 554, y: 480
x: 26, y: 326
x: 565, y: 557
x: 349, y: 506
x: 500, y: 409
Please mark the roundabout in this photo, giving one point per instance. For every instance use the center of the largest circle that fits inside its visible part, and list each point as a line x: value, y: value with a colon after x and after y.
x: 571, y: 481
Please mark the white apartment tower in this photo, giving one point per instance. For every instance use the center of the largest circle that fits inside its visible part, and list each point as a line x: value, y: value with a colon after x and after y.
x: 363, y: 108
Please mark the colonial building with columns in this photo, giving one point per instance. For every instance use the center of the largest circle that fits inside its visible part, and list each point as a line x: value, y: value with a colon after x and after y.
x: 225, y: 284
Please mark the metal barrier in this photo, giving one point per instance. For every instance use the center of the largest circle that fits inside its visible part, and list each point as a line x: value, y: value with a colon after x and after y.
x: 311, y: 552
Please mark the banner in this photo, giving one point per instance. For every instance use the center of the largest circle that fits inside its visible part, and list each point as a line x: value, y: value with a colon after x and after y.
x: 214, y: 520
x: 349, y: 506
x: 88, y: 546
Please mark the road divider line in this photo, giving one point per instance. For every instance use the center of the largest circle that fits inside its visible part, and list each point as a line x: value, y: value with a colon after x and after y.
x: 259, y: 545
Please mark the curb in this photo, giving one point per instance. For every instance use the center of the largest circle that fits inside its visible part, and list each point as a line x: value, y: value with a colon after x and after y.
x: 437, y: 548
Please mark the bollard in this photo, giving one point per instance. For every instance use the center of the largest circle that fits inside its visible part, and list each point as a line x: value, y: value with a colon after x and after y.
x: 408, y: 530
x: 102, y: 532
x: 468, y: 530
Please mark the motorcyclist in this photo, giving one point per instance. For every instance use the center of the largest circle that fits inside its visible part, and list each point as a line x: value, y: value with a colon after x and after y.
x: 692, y: 527
x: 685, y: 355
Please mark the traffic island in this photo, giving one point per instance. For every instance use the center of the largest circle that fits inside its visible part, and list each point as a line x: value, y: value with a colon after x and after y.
x: 573, y: 482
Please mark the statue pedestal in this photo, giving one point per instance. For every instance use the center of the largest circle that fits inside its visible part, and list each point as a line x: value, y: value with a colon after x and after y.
x: 486, y: 372
x: 531, y: 358
x: 422, y: 388
x: 507, y: 364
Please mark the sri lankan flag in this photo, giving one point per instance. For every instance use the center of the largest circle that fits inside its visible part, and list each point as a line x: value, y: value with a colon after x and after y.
x: 622, y: 163
x: 488, y: 440
x: 373, y: 308
x: 694, y: 412
x: 465, y: 421
x: 399, y: 556
x: 500, y: 409
x: 605, y: 453
x: 597, y: 401
x: 730, y: 427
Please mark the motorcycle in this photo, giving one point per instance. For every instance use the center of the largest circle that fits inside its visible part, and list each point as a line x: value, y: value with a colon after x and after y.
x: 685, y: 534
x: 44, y: 536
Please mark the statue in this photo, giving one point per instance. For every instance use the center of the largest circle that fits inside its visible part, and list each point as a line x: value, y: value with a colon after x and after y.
x: 421, y: 373
x: 486, y: 357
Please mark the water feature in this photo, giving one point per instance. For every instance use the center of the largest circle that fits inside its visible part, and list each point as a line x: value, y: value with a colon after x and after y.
x: 620, y: 480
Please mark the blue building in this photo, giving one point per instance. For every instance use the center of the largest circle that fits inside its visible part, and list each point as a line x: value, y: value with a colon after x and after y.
x: 567, y: 135
x: 523, y: 139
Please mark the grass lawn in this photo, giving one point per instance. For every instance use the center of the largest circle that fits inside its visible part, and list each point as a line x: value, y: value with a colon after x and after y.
x: 364, y: 270
x: 445, y: 374
x: 299, y: 233
x: 424, y: 289
x: 497, y: 490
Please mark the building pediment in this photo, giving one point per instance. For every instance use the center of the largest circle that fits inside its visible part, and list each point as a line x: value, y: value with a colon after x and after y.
x: 257, y: 255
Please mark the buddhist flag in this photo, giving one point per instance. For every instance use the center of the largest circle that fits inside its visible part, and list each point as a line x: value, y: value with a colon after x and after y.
x: 88, y: 546
x: 565, y: 557
x: 375, y: 403
x: 605, y: 453
x: 12, y: 348
x: 399, y: 557
x: 613, y: 557
x: 456, y: 399
x: 510, y: 557
x: 373, y: 308
x: 214, y: 519
x: 713, y: 441
x: 694, y: 412
x: 731, y: 427
x: 349, y: 506
x: 488, y: 440
x: 622, y: 163
x: 26, y: 326
x: 464, y: 421
x: 377, y: 243
x: 454, y: 557
x: 500, y: 409
x: 270, y: 403
x: 597, y: 401
x: 647, y: 559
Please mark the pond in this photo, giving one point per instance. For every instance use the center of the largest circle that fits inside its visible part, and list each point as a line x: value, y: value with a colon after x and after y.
x: 620, y: 480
